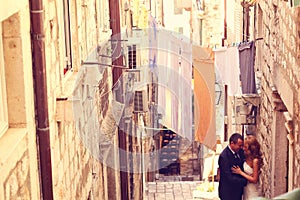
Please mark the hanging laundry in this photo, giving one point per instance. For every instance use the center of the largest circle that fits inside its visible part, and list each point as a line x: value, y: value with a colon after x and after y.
x: 227, y: 68
x: 174, y: 69
x: 246, y: 55
x: 152, y: 31
x: 204, y: 98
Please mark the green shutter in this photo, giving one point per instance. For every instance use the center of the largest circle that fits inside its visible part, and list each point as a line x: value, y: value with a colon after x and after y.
x: 295, y: 3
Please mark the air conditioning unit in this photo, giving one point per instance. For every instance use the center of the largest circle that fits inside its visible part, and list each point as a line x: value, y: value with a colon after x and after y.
x: 245, y: 108
x: 140, y: 101
x: 240, y: 119
x: 239, y: 110
x: 134, y: 74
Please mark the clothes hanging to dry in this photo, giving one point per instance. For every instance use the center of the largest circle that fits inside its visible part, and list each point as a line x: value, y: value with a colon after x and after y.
x: 246, y: 57
x: 227, y: 67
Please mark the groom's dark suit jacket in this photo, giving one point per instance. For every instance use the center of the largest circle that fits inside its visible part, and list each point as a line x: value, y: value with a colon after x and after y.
x: 230, y: 184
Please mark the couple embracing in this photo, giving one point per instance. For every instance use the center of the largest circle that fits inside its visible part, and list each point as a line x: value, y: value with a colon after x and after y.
x: 239, y: 165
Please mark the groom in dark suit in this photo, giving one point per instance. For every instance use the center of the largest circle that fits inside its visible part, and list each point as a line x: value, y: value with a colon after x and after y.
x: 231, y: 185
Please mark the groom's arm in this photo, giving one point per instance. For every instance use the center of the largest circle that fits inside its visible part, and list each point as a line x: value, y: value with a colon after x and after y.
x: 226, y: 165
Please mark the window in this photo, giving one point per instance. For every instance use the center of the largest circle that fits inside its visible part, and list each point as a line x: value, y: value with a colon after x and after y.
x: 178, y: 30
x: 3, y: 100
x: 67, y: 32
x: 104, y: 16
x: 294, y: 3
x: 200, y: 5
x: 259, y: 44
x: 177, y: 9
x: 200, y: 31
x: 132, y: 57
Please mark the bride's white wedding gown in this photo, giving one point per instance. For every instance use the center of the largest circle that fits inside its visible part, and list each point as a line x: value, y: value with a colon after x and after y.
x: 251, y: 190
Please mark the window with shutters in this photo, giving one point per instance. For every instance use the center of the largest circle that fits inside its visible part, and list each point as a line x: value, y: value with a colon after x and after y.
x: 132, y: 59
x: 200, y: 31
x: 294, y: 3
x: 140, y: 101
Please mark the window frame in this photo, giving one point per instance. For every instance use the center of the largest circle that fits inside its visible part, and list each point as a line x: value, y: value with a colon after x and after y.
x: 177, y: 11
x: 132, y: 56
x: 3, y: 97
x: 67, y: 37
x: 200, y: 5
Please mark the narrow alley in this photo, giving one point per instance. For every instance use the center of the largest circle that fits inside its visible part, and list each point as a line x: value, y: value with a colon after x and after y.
x: 138, y: 99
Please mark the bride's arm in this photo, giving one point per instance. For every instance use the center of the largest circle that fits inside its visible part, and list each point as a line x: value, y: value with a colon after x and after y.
x: 253, y: 178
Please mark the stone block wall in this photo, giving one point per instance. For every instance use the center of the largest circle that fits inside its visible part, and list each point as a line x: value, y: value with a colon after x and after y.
x: 18, y: 153
x: 188, y: 159
x: 280, y: 83
x: 17, y: 183
x: 211, y: 24
x: 76, y: 173
x: 211, y: 27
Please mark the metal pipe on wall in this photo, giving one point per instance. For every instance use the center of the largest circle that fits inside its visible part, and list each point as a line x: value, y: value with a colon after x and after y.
x: 41, y: 101
x: 225, y: 24
x: 114, y: 14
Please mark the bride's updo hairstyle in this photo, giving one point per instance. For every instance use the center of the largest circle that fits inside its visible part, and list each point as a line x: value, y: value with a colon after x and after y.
x: 253, y: 146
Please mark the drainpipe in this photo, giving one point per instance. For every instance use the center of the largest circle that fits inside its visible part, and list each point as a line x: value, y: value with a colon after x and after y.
x: 114, y: 14
x: 225, y: 24
x: 40, y: 90
x: 225, y: 87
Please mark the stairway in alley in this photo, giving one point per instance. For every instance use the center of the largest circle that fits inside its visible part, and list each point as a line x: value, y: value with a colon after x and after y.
x: 169, y: 155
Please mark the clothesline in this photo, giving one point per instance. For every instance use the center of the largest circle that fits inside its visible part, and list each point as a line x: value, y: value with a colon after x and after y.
x: 239, y: 43
x: 235, y: 66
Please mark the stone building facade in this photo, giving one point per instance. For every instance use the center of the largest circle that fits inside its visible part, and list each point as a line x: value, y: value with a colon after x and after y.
x: 72, y: 32
x: 207, y: 19
x: 19, y: 169
x: 277, y: 65
x: 274, y: 27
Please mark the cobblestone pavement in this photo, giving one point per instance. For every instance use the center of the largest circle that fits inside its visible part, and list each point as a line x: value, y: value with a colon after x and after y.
x: 179, y: 190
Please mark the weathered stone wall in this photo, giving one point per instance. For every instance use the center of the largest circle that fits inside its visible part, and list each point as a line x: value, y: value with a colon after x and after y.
x: 279, y: 67
x: 77, y: 172
x: 17, y: 183
x: 212, y: 24
x: 188, y: 159
x: 18, y: 153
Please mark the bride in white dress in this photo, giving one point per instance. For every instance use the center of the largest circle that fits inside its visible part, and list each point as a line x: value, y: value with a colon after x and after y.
x: 252, y: 167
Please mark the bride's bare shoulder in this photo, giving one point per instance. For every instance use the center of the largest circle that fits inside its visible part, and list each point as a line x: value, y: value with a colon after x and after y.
x: 256, y: 161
